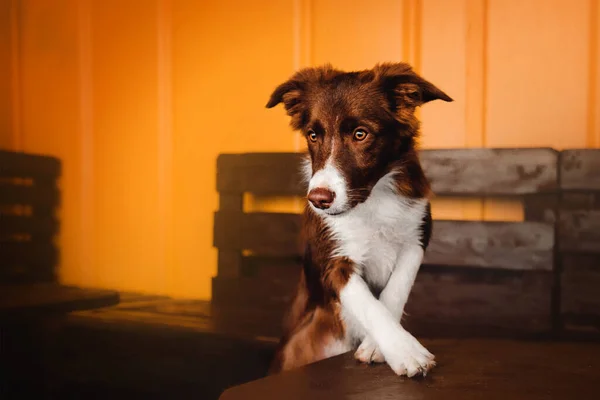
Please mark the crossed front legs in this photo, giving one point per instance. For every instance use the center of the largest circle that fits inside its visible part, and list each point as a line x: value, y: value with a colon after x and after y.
x: 386, y: 340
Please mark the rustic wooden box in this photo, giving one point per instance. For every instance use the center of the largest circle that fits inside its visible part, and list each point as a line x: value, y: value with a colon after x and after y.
x: 479, y: 278
x: 579, y: 241
x: 28, y: 199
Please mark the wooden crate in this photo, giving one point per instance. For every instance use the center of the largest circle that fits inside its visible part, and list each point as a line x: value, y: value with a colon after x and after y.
x: 579, y: 241
x: 28, y: 199
x: 479, y: 278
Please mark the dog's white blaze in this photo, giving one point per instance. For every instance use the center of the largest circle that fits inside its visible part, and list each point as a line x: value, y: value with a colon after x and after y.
x: 330, y: 178
x: 306, y: 169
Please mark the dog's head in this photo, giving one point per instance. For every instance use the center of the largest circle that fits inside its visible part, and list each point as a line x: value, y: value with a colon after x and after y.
x: 358, y: 126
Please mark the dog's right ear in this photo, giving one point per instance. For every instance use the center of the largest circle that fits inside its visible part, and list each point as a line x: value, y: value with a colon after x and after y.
x: 290, y: 93
x: 286, y: 88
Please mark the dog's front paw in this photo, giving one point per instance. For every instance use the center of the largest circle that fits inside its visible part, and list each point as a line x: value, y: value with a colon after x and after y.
x: 368, y: 352
x: 406, y: 356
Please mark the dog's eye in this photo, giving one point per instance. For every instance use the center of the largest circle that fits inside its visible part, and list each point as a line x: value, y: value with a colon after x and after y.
x: 312, y: 136
x: 360, y: 134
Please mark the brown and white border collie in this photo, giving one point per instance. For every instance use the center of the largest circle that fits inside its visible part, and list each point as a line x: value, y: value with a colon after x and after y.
x: 367, y: 222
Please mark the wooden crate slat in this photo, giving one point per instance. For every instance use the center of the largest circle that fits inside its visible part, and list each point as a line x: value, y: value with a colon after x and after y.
x: 541, y: 208
x: 264, y: 233
x: 579, y: 230
x: 260, y: 173
x: 464, y: 172
x: 16, y: 164
x: 580, y: 294
x: 43, y: 195
x: 507, y: 245
x: 16, y: 225
x: 29, y: 252
x: 251, y: 292
x: 580, y: 169
x: 490, y: 172
x: 476, y: 299
x: 470, y: 302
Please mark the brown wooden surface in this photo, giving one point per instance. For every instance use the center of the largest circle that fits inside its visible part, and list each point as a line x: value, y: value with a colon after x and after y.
x: 260, y: 173
x: 467, y: 369
x: 579, y: 231
x: 444, y: 302
x: 480, y: 303
x: 541, y: 208
x: 18, y: 301
x: 465, y: 172
x: 507, y: 245
x: 25, y: 165
x: 490, y: 172
x: 580, y: 169
x: 580, y: 292
x: 35, y: 194
x: 264, y: 233
x: 240, y: 322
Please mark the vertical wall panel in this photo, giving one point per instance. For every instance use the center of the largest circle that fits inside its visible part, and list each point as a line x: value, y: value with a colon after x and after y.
x: 139, y: 97
x: 49, y: 108
x: 443, y: 63
x: 6, y: 55
x: 125, y: 146
x: 355, y: 34
x: 538, y: 73
x: 228, y: 56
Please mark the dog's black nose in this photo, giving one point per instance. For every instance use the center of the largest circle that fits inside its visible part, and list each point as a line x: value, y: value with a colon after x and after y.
x: 321, y: 198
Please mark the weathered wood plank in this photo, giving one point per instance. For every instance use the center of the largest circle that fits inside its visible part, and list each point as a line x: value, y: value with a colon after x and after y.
x: 479, y: 302
x: 541, y: 208
x: 490, y: 172
x: 231, y: 202
x: 229, y: 263
x: 271, y: 294
x: 458, y: 172
x: 16, y: 224
x: 36, y: 195
x: 579, y: 231
x: 580, y: 169
x: 580, y: 294
x: 580, y: 201
x: 260, y: 173
x: 466, y: 302
x: 28, y: 252
x: 263, y: 233
x: 16, y: 164
x: 507, y: 245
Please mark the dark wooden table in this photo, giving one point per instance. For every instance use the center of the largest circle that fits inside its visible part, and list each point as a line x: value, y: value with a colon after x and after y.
x: 467, y: 369
x: 31, y: 318
x: 42, y: 299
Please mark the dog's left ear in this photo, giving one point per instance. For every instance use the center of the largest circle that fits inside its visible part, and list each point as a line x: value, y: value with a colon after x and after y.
x: 404, y: 88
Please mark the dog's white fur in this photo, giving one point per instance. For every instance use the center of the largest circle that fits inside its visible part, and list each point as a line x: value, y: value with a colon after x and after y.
x: 382, y: 236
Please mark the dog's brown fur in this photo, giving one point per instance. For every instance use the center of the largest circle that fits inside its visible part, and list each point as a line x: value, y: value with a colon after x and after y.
x: 329, y: 102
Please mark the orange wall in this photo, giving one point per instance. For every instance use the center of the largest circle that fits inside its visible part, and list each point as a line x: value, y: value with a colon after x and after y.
x: 138, y: 98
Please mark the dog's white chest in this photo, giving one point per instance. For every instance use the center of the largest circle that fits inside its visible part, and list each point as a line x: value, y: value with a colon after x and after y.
x: 374, y: 233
